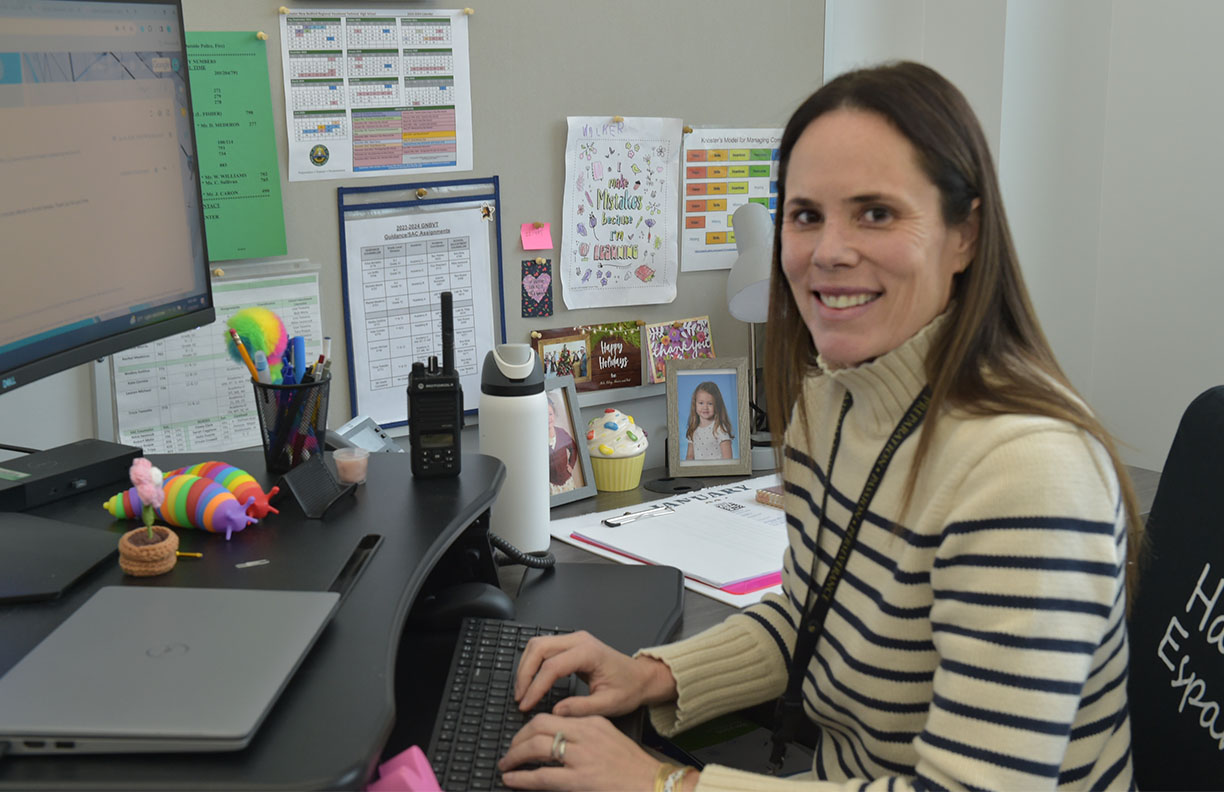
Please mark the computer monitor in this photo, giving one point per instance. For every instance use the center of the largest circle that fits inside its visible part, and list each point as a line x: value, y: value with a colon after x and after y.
x: 101, y: 221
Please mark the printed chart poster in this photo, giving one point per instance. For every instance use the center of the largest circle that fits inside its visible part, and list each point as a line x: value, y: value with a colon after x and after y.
x: 239, y: 175
x: 185, y: 394
x: 373, y: 93
x: 396, y: 268
x: 723, y: 170
x: 618, y: 238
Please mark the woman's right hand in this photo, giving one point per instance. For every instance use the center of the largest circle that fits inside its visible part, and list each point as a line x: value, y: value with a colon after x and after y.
x: 618, y: 683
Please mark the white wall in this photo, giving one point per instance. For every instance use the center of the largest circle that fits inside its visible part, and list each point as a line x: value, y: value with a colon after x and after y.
x: 962, y: 39
x: 1055, y: 70
x: 1158, y: 331
x: 1108, y: 119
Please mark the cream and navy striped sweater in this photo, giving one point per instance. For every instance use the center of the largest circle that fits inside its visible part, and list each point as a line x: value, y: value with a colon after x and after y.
x: 983, y: 645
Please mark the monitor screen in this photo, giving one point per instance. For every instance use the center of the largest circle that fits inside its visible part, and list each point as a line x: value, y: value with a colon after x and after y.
x: 101, y: 224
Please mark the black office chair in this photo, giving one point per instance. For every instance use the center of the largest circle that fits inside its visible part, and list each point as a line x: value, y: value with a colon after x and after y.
x: 1182, y: 749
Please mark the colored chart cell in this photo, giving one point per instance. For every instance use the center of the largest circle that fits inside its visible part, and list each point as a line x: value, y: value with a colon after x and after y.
x: 696, y: 155
x: 695, y: 189
x: 763, y: 155
x: 737, y: 188
x: 695, y: 172
x: 717, y: 171
x: 715, y: 188
x: 731, y: 237
x: 738, y: 171
x: 695, y: 206
x: 758, y: 171
x: 717, y: 205
x: 738, y: 155
x: 717, y: 155
x: 697, y: 221
x: 716, y: 237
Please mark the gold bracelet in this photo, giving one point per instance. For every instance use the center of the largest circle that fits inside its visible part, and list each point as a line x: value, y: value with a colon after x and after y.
x: 672, y: 784
x: 664, y: 772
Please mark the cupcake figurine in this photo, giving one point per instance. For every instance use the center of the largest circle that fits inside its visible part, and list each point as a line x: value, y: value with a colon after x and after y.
x: 617, y: 448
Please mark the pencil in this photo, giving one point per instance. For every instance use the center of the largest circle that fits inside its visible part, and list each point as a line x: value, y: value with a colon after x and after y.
x: 246, y: 357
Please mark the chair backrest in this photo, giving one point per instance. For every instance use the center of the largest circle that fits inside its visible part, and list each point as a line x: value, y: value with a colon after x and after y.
x: 1177, y: 623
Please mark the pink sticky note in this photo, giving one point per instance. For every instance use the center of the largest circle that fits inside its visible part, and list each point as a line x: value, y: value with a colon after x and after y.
x: 537, y: 238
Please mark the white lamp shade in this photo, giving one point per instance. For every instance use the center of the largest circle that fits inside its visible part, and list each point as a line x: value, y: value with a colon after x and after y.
x: 748, y: 283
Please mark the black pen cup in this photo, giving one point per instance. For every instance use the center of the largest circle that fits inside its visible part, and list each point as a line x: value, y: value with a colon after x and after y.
x: 292, y: 422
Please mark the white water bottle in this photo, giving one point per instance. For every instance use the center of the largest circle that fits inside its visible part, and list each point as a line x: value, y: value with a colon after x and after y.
x: 513, y: 421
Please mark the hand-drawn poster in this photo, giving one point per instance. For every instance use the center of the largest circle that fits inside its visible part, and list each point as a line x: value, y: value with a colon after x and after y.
x: 682, y: 339
x: 723, y: 170
x: 597, y: 356
x: 618, y: 236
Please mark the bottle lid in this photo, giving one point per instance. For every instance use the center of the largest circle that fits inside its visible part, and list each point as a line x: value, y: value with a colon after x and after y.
x: 511, y: 370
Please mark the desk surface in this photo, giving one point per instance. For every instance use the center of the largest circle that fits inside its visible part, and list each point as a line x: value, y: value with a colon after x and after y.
x: 700, y: 612
x: 332, y: 720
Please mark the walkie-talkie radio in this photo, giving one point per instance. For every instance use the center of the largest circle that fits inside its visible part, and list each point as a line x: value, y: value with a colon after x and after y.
x: 435, y: 408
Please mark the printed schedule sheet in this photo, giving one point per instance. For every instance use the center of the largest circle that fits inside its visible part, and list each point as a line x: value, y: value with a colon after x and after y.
x: 372, y: 93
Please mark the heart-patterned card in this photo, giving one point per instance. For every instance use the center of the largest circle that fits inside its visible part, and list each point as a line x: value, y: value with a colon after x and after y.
x: 537, y: 288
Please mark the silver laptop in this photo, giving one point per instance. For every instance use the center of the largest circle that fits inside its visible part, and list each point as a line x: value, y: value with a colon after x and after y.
x: 140, y: 669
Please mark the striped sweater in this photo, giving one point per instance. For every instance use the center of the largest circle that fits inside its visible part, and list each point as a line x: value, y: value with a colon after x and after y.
x: 982, y: 645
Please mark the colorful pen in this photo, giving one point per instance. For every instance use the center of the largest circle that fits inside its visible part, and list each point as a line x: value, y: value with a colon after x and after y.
x: 242, y: 350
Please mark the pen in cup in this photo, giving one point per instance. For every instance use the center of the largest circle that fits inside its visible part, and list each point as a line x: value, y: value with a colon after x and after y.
x: 261, y: 367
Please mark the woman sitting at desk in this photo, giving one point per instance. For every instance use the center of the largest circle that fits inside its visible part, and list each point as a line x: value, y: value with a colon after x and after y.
x: 977, y: 637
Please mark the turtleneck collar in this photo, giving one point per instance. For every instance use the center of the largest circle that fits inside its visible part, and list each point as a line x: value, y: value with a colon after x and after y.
x: 884, y: 388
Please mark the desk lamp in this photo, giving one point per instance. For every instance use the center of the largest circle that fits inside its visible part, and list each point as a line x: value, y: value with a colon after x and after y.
x: 748, y: 301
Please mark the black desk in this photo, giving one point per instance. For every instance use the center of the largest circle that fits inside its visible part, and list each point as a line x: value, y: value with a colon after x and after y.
x: 330, y: 724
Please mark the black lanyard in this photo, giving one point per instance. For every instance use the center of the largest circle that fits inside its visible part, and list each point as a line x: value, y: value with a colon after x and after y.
x: 818, y: 602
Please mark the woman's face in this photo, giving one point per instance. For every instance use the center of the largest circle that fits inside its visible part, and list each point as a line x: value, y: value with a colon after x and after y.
x: 705, y: 406
x: 865, y: 249
x: 552, y: 417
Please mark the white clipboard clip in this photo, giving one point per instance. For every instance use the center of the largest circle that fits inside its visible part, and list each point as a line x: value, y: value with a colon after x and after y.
x: 628, y: 517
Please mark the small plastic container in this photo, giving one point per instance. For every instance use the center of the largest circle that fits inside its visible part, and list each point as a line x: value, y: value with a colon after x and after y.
x: 351, y: 464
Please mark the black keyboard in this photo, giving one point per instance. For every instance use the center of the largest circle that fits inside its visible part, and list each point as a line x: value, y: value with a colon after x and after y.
x: 478, y: 715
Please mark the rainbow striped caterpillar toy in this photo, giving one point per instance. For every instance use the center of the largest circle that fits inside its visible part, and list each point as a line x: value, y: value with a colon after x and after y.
x: 238, y: 482
x: 191, y: 502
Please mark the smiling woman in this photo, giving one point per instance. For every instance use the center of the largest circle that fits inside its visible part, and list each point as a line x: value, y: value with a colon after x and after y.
x: 935, y: 460
x: 865, y: 249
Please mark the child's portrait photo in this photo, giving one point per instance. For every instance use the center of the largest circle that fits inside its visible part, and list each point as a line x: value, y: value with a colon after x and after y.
x: 708, y: 427
x: 707, y: 417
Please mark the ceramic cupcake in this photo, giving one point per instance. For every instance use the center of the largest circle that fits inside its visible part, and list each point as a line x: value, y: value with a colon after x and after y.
x: 618, y: 448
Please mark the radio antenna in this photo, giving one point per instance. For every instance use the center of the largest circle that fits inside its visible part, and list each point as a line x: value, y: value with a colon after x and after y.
x: 448, y: 335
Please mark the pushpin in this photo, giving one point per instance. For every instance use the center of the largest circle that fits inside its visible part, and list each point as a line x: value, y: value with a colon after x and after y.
x: 617, y: 119
x: 421, y: 192
x: 541, y: 260
x: 284, y: 9
x: 261, y: 36
x: 468, y: 12
x: 218, y: 272
x: 687, y: 129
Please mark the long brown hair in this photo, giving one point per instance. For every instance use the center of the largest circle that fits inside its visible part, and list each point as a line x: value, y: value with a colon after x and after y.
x: 991, y: 356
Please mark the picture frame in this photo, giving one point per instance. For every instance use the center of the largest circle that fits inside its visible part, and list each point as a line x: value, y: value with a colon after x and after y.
x: 598, y: 356
x: 730, y: 416
x: 565, y: 415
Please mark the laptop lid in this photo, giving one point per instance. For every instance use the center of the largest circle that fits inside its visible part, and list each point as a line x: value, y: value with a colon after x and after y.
x: 141, y: 669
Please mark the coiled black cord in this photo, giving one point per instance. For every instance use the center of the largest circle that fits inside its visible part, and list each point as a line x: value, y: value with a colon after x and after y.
x: 541, y: 560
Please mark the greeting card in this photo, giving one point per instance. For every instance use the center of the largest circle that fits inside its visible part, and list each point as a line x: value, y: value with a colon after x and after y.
x: 681, y: 339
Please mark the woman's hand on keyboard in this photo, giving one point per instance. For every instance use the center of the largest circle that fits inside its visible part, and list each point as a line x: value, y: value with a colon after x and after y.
x: 596, y: 756
x: 618, y: 683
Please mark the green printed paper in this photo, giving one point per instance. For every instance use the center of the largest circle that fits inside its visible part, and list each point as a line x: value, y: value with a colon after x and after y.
x: 239, y: 175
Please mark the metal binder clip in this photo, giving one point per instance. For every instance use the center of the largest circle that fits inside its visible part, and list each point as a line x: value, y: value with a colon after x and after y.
x: 629, y: 517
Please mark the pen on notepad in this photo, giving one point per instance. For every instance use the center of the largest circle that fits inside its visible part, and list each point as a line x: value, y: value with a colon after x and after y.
x: 629, y: 517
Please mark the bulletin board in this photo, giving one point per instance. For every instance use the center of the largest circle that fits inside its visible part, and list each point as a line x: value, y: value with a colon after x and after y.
x: 401, y: 247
